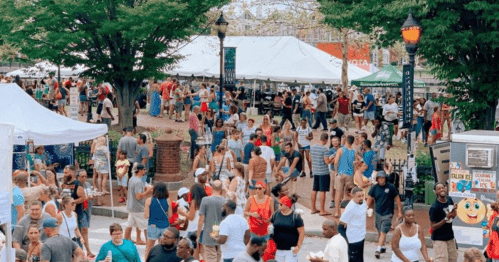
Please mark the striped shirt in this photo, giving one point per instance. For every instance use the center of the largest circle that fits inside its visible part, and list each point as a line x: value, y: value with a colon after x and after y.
x: 318, y: 153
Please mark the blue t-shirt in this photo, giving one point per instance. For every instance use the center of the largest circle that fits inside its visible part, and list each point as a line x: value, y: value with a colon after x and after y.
x: 370, y: 98
x: 124, y: 252
x: 370, y: 159
x: 247, y: 152
x: 17, y: 200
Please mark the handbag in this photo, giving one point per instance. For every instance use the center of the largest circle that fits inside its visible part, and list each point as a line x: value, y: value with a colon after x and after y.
x: 217, y: 176
x: 75, y: 239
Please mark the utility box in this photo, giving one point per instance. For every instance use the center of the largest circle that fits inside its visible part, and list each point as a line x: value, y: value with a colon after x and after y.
x: 472, y: 184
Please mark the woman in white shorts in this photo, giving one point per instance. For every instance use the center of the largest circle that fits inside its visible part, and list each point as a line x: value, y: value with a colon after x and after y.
x: 358, y: 105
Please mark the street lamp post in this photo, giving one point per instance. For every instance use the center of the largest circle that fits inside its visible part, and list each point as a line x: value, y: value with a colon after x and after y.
x: 411, y: 33
x: 222, y: 25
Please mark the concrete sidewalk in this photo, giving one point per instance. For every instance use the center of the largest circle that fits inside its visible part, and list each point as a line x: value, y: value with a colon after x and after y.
x: 313, y: 223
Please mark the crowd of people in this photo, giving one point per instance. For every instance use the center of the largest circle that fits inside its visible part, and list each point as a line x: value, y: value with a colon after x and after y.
x: 243, y: 205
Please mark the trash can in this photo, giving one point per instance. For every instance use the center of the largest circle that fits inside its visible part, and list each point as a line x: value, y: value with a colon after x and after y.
x: 429, y: 193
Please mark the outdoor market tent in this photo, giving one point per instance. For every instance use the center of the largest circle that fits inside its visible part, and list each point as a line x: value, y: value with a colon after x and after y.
x: 42, y: 69
x: 388, y: 76
x: 44, y: 127
x: 278, y: 59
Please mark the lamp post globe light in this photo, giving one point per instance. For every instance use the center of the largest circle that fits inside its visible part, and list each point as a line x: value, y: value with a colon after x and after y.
x: 222, y: 25
x: 411, y: 33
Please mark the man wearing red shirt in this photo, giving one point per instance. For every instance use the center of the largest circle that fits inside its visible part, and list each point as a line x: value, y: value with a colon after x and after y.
x: 343, y: 110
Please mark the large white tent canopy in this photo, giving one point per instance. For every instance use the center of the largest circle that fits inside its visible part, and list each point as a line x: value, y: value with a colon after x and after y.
x: 43, y: 69
x: 44, y: 127
x: 280, y: 59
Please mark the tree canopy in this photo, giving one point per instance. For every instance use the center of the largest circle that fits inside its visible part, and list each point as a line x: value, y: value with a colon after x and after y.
x: 120, y: 41
x: 460, y: 42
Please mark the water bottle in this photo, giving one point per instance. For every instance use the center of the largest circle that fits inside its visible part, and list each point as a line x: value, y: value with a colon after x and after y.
x: 109, y: 255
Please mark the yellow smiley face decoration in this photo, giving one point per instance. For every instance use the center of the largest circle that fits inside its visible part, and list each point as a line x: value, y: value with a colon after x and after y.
x: 471, y: 210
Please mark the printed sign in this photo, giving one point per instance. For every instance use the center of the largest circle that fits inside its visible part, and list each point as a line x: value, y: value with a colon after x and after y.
x: 74, y: 101
x: 468, y: 235
x: 484, y: 181
x: 460, y: 184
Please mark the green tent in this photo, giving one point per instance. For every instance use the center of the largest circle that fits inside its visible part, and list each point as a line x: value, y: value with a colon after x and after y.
x: 388, y: 76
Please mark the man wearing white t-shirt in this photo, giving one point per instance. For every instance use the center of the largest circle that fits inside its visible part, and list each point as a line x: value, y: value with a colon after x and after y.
x: 337, y: 248
x: 234, y: 232
x: 269, y: 156
x: 390, y: 114
x: 354, y: 218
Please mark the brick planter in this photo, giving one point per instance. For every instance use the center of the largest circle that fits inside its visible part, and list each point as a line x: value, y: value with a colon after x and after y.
x: 168, y: 160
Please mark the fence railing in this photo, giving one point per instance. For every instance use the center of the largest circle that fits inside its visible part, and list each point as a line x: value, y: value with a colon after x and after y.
x: 398, y: 168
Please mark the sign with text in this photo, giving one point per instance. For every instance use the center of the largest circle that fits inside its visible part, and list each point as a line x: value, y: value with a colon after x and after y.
x: 74, y: 103
x: 407, y: 88
x: 230, y: 68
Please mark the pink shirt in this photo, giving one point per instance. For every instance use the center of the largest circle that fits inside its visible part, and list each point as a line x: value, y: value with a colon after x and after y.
x: 194, y: 122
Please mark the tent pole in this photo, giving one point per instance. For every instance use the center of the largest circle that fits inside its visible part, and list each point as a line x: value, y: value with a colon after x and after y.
x: 110, y: 178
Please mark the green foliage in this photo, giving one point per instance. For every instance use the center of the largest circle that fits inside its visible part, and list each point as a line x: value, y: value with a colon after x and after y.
x: 460, y: 42
x: 424, y: 169
x: 120, y: 41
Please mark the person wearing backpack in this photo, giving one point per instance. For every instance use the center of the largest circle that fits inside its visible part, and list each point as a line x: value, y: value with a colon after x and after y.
x: 289, y: 230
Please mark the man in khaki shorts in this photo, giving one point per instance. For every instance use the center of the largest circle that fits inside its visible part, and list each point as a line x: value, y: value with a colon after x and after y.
x: 137, y: 194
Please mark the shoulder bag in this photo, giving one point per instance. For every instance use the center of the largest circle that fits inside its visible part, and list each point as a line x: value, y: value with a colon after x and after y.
x: 75, y: 239
x: 217, y: 176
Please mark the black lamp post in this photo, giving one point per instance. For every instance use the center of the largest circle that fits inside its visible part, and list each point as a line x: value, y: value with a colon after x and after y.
x: 222, y: 25
x: 411, y: 33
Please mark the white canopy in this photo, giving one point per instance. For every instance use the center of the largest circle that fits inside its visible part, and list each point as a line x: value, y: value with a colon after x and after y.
x: 42, y: 69
x: 34, y: 121
x: 280, y: 59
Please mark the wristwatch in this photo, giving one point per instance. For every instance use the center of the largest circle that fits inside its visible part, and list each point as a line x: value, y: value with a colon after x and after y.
x: 446, y: 219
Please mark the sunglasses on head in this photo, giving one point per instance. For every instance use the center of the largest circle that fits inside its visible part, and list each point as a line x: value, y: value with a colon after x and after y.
x: 259, y: 188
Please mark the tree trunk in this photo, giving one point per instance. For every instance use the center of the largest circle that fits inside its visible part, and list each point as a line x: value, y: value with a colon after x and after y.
x: 125, y: 97
x: 344, y: 53
x: 487, y: 118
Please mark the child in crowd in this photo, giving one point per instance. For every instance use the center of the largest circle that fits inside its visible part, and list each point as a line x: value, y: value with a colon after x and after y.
x: 122, y: 166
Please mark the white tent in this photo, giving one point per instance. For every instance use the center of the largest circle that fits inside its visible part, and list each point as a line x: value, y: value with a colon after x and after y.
x: 280, y: 59
x: 42, y: 69
x: 44, y: 127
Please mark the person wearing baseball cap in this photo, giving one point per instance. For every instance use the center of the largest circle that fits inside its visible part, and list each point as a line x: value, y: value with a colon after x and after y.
x: 384, y: 195
x: 58, y: 247
x: 183, y: 197
x: 334, y: 129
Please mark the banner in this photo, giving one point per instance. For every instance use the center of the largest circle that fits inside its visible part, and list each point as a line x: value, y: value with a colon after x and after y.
x: 230, y: 68
x: 407, y: 95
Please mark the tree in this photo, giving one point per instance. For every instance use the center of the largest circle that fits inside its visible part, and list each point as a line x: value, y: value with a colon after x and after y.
x: 460, y: 42
x: 120, y: 41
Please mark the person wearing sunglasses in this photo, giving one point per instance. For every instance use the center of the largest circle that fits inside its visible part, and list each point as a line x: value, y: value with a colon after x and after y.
x: 67, y: 219
x: 258, y: 209
x: 289, y: 230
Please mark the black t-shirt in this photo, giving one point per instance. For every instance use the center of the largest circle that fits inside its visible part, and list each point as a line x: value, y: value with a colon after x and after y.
x: 357, y: 106
x: 241, y: 95
x: 29, y: 91
x: 438, y: 212
x: 384, y: 197
x: 286, y: 229
x: 159, y: 254
x: 299, y: 165
x: 288, y: 102
x: 337, y: 132
x: 73, y: 186
x: 296, y: 100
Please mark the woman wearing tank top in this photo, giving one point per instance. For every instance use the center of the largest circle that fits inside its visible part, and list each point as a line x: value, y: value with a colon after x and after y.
x: 68, y: 220
x: 192, y: 214
x: 408, y: 238
x: 158, y: 210
x: 287, y: 136
x: 48, y: 197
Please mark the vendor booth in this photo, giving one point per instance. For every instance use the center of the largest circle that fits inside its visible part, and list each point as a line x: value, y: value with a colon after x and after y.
x: 32, y: 124
x: 472, y: 184
x: 42, y: 69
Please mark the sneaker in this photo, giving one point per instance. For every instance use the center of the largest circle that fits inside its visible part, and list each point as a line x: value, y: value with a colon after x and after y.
x: 332, y: 204
x: 404, y: 141
x: 311, y: 175
x: 122, y: 200
x: 303, y: 174
x: 377, y: 254
x: 383, y: 250
x: 425, y: 144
